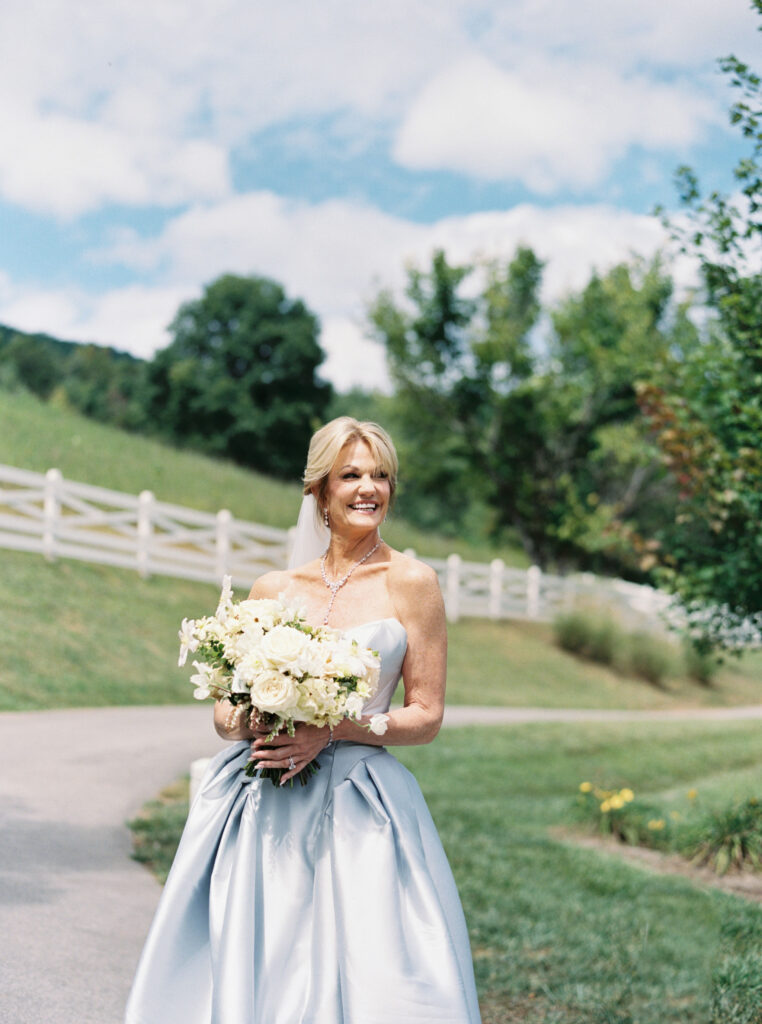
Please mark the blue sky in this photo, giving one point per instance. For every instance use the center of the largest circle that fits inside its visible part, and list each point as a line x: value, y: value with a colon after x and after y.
x: 150, y: 147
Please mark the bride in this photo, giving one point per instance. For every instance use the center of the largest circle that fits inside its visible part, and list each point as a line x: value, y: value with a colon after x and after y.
x: 333, y: 903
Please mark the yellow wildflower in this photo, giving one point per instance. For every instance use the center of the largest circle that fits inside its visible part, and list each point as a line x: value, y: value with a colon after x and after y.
x: 692, y: 794
x: 616, y: 802
x: 656, y: 824
x: 627, y: 795
x: 585, y: 787
x: 606, y: 806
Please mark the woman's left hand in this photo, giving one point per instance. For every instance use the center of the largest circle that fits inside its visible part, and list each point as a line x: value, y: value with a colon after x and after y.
x: 303, y: 747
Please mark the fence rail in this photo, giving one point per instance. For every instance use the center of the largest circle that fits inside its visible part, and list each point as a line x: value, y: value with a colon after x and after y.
x: 59, y: 518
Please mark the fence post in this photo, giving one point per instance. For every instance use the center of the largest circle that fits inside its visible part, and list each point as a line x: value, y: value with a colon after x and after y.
x: 290, y: 541
x: 145, y: 508
x: 496, y: 567
x: 50, y: 512
x: 222, y: 541
x: 534, y: 575
x: 452, y: 587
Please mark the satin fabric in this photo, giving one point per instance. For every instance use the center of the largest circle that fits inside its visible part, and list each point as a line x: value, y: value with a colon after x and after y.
x: 328, y: 904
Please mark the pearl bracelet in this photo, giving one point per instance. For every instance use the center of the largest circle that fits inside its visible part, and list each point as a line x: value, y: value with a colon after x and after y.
x: 232, y: 718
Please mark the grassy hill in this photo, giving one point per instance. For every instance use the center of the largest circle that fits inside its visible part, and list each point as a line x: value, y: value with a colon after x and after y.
x: 37, y: 435
x: 81, y: 635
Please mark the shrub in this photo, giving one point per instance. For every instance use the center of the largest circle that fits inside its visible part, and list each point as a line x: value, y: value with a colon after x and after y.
x: 732, y: 838
x: 572, y: 630
x: 650, y: 657
x: 700, y: 665
x: 594, y: 635
x: 606, y: 641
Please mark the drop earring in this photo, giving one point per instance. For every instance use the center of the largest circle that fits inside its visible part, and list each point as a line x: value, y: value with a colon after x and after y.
x: 325, y: 517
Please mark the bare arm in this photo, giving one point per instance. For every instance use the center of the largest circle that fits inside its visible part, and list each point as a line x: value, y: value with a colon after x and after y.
x: 418, y: 600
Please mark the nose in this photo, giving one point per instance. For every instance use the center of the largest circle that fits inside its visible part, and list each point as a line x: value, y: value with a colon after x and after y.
x: 367, y: 484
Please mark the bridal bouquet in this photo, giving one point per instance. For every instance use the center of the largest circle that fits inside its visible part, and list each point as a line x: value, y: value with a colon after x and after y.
x: 275, y: 669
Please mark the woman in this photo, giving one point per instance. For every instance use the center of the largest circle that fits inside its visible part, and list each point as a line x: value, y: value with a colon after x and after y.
x: 332, y: 903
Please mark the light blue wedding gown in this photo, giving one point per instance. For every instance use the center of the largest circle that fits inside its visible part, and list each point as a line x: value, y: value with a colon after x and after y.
x: 331, y: 903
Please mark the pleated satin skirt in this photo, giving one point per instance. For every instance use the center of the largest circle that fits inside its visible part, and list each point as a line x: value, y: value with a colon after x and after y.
x: 328, y: 904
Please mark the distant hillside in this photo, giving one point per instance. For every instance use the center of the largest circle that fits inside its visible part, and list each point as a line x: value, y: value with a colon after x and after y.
x: 65, y: 349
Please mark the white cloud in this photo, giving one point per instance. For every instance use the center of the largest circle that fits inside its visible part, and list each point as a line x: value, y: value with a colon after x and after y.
x: 334, y: 255
x: 351, y: 357
x: 144, y: 104
x: 66, y: 166
x: 548, y: 126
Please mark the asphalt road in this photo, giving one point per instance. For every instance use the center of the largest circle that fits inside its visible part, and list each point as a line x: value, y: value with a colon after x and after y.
x: 74, y: 908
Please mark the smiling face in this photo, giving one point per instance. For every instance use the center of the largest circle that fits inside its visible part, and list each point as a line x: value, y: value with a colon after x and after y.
x: 357, y: 492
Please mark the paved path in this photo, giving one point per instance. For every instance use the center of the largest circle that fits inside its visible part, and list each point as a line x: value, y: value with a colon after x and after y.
x: 74, y: 909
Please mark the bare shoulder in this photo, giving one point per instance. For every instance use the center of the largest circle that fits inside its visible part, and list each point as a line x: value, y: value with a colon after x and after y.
x: 270, y: 585
x: 412, y: 582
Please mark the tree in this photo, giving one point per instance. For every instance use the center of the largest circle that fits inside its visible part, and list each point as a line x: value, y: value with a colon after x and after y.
x: 549, y: 440
x: 709, y: 424
x: 239, y: 378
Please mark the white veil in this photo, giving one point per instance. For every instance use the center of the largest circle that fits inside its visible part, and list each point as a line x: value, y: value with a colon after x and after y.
x: 309, y: 538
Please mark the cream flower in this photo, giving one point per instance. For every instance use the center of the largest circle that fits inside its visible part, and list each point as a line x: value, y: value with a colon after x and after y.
x: 188, y: 640
x: 378, y: 724
x: 354, y: 705
x: 206, y: 680
x: 285, y: 647
x: 274, y: 692
x: 225, y: 601
x: 264, y: 611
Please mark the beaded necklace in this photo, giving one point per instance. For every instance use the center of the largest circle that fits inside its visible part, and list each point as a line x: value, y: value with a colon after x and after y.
x: 336, y: 585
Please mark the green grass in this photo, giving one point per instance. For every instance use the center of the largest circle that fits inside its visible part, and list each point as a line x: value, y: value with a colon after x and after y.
x: 37, y: 436
x: 81, y: 635
x: 569, y: 935
x: 518, y: 664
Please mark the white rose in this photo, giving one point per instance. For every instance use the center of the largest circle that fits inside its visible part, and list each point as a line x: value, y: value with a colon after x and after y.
x: 274, y: 692
x: 263, y: 611
x: 285, y: 647
x: 378, y: 724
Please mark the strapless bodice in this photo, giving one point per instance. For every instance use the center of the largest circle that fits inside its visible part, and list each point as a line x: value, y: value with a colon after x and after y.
x: 388, y: 637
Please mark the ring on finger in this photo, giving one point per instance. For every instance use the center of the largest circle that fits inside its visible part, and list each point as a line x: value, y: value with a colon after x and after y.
x: 291, y: 764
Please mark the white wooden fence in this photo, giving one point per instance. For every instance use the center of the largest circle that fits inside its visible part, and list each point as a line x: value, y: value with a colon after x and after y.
x: 59, y: 518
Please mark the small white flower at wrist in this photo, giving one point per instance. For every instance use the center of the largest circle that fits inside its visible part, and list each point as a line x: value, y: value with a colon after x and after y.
x: 378, y: 724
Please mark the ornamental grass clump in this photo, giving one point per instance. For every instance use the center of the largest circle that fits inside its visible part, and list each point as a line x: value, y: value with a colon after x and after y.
x: 650, y: 657
x: 700, y: 665
x: 731, y: 839
x: 590, y: 634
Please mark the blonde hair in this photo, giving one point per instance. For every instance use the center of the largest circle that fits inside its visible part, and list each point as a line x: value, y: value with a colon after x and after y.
x: 327, y: 442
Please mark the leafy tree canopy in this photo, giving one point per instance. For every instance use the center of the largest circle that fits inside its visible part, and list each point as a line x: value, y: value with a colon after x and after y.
x: 548, y: 437
x: 708, y: 424
x: 239, y: 378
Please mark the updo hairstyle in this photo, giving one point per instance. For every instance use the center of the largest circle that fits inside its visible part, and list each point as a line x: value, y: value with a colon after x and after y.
x: 327, y: 443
